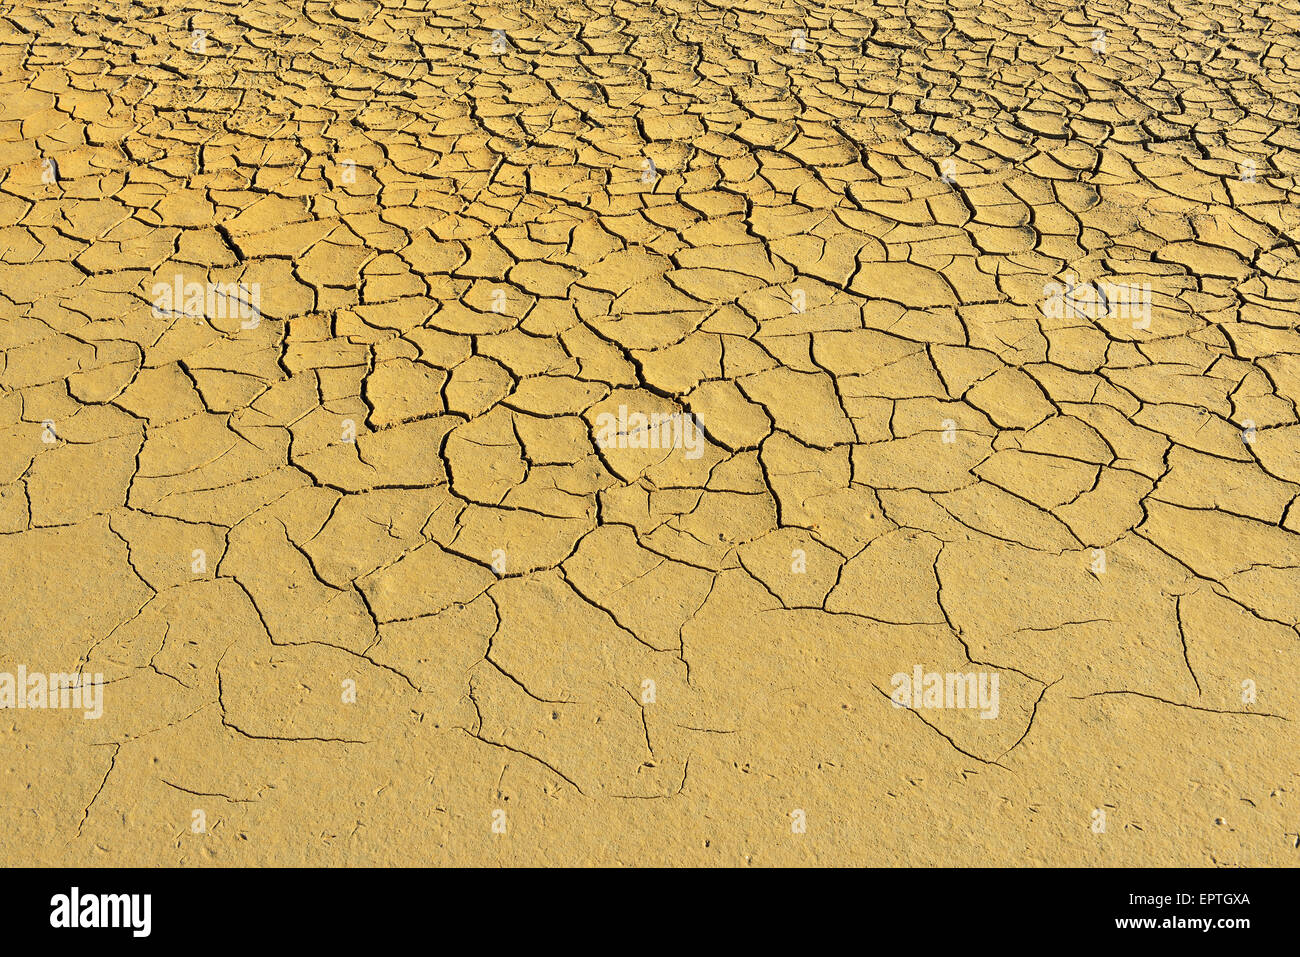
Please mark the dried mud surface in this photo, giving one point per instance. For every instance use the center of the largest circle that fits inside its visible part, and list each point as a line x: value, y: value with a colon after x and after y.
x: 836, y: 265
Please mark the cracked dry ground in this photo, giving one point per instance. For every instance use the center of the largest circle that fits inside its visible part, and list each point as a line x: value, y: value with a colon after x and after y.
x: 462, y: 252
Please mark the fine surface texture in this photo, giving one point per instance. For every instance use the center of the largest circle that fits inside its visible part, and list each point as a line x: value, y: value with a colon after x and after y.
x: 650, y: 433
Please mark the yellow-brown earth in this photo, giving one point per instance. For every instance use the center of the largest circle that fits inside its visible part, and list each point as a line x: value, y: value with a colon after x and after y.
x: 367, y: 583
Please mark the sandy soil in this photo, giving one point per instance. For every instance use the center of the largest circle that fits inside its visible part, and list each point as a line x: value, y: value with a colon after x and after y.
x: 331, y: 336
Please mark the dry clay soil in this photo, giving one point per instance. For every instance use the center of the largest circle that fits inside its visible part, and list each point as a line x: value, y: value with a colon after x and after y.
x: 362, y: 584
